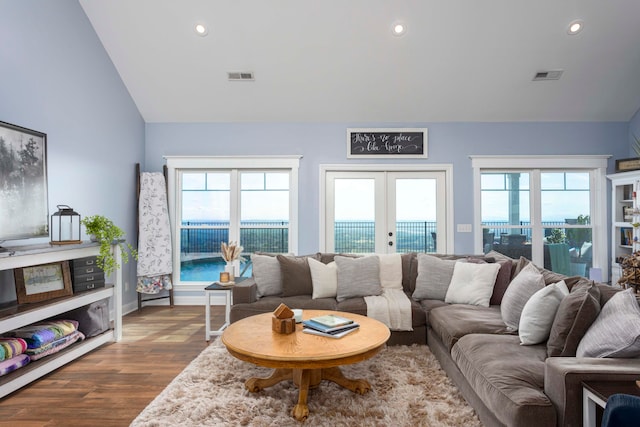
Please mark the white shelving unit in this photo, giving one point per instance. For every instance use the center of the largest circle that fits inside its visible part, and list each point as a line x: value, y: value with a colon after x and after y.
x: 16, y: 316
x: 625, y: 190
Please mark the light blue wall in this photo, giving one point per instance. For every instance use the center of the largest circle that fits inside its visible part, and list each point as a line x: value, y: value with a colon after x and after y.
x: 326, y: 143
x: 56, y: 77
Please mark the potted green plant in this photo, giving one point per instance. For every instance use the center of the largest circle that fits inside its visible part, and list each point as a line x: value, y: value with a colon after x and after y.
x: 104, y: 231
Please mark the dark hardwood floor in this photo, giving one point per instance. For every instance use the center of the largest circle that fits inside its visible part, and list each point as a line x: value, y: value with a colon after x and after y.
x: 111, y: 385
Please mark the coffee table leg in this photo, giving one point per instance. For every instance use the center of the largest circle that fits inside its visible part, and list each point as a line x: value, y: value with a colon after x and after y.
x: 301, y: 411
x: 335, y: 375
x: 257, y: 384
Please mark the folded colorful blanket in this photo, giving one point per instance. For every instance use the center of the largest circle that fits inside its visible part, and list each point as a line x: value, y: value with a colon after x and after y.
x: 14, y: 363
x: 55, y: 346
x: 11, y: 347
x: 42, y: 333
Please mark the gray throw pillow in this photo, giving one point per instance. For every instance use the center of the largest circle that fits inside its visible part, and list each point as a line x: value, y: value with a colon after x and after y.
x: 575, y: 315
x: 616, y: 330
x: 266, y: 273
x: 521, y: 288
x: 358, y: 277
x: 434, y: 276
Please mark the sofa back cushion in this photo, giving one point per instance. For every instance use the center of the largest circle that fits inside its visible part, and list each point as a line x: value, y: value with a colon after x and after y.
x: 358, y: 277
x: 409, y: 271
x: 576, y: 313
x: 502, y: 282
x: 521, y: 288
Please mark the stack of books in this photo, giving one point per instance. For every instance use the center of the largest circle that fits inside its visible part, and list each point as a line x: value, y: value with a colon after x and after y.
x: 329, y: 325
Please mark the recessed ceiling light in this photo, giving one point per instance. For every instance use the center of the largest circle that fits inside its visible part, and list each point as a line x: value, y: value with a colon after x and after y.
x: 575, y: 26
x: 201, y: 30
x: 398, y: 29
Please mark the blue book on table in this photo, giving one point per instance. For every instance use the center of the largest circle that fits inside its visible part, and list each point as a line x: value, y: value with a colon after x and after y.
x: 322, y: 328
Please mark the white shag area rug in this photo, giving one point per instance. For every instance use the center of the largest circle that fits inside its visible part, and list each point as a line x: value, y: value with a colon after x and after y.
x: 408, y: 388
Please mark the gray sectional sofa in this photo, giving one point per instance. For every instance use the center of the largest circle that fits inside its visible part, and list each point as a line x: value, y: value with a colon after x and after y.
x: 508, y: 384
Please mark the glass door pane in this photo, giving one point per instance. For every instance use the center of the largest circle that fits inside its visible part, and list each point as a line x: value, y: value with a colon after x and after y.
x: 415, y: 214
x: 505, y: 213
x: 566, y: 215
x: 204, y: 224
x: 264, y: 212
x: 354, y: 215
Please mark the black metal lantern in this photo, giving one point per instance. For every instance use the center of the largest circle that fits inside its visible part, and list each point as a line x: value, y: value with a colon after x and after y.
x: 65, y: 226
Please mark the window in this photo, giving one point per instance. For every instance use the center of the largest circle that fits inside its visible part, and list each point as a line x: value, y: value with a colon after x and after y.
x: 252, y: 201
x: 550, y: 210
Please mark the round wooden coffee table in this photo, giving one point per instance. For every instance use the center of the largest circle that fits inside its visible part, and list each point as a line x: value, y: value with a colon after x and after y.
x: 304, y: 358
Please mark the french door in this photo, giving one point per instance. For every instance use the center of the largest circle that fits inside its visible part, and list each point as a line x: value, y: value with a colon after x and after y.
x: 385, y: 212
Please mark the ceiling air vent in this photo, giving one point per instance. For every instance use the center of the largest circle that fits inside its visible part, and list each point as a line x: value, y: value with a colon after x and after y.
x: 237, y: 76
x: 548, y: 75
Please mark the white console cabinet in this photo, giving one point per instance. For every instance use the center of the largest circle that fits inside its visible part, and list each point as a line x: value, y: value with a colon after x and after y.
x: 15, y: 316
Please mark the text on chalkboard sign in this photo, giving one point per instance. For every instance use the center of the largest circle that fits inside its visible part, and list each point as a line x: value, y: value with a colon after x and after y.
x: 393, y: 142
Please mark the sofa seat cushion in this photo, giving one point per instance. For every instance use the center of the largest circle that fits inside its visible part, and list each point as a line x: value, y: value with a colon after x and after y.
x: 358, y: 305
x: 429, y: 304
x: 452, y: 322
x: 507, y: 377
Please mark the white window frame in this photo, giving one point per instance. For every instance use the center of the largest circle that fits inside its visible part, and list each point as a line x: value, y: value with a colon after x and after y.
x: 446, y: 168
x: 175, y: 164
x: 596, y: 165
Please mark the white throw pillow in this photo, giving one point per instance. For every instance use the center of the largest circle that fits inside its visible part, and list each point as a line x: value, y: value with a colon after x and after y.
x: 539, y: 312
x: 472, y: 283
x: 522, y: 287
x: 324, y: 278
x: 391, y: 271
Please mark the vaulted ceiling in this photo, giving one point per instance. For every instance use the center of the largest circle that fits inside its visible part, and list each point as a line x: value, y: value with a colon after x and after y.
x: 338, y: 61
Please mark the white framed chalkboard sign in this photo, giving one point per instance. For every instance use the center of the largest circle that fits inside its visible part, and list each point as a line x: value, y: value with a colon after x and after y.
x: 387, y: 142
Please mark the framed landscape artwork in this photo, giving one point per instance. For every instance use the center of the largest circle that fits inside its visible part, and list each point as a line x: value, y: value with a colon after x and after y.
x: 24, y: 211
x: 43, y: 282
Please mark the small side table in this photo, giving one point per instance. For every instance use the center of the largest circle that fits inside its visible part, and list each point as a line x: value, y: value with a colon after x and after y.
x: 597, y: 392
x: 215, y: 289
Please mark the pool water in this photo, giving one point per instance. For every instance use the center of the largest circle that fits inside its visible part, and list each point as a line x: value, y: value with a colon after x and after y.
x: 205, y: 270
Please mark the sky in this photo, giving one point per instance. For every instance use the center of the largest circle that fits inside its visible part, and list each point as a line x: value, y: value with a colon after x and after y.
x: 563, y: 195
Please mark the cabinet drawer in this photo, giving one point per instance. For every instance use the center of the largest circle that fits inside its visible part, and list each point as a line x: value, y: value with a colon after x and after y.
x: 87, y: 269
x: 87, y: 278
x: 89, y: 261
x: 87, y: 286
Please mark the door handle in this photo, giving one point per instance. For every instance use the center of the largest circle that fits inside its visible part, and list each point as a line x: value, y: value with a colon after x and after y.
x: 390, y: 243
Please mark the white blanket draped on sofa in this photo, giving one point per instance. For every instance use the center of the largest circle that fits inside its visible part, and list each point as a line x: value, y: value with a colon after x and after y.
x: 154, y: 236
x: 393, y: 308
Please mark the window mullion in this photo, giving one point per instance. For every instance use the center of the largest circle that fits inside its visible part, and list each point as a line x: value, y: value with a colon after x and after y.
x: 234, y: 208
x: 537, y: 248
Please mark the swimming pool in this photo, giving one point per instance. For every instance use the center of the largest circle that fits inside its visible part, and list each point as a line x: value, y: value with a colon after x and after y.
x: 205, y: 269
